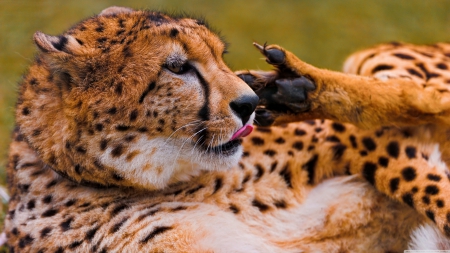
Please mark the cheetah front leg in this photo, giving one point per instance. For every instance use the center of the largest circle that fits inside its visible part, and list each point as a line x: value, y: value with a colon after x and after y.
x: 297, y: 91
x: 398, y: 167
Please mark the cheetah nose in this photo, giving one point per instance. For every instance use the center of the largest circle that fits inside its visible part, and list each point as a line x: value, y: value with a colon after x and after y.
x: 244, y: 106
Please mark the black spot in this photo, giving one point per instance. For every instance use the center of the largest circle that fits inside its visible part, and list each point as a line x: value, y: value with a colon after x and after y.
x: 298, y: 145
x: 299, y: 132
x: 119, y: 87
x: 426, y: 200
x: 117, y: 151
x: 218, y: 184
x: 75, y: 244
x: 52, y: 183
x: 91, y: 233
x: 257, y: 141
x: 25, y: 111
x: 280, y: 140
x: 118, y: 209
x: 310, y: 167
x: 379, y: 132
x: 118, y: 225
x: 194, y: 190
x: 112, y: 110
x: 81, y: 149
x: 414, y: 72
x: 381, y: 67
x: 261, y: 206
x: 430, y: 214
x: 34, y: 81
x: 447, y: 230
x: 259, y: 172
x: 434, y: 177
x: 26, y: 240
x: 410, y: 152
x: 393, y: 184
x: 431, y: 189
x: 86, y: 204
x: 122, y: 128
x: 318, y: 129
x: 103, y: 144
x: 393, y: 149
x: 408, y: 199
x: 409, y: 174
x: 234, y: 208
x: 280, y: 204
x: 338, y: 127
x: 338, y: 151
x: 31, y: 204
x: 156, y: 231
x: 363, y: 153
x: 369, y: 143
x: 70, y: 202
x: 133, y: 115
x: 441, y: 66
x: 142, y: 129
x: 383, y: 161
x: 285, y: 173
x: 36, y: 132
x: 47, y: 199
x: 174, y: 32
x: 332, y: 138
x: 101, y: 40
x: 273, y: 166
x: 368, y: 172
x: 404, y: 56
x: 99, y: 127
x: 45, y: 231
x: 270, y: 152
x: 440, y: 203
x: 353, y: 141
x: 65, y: 225
x: 117, y: 177
x: 50, y: 213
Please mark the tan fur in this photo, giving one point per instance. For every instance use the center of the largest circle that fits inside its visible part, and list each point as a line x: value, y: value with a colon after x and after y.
x: 401, y: 88
x: 107, y: 155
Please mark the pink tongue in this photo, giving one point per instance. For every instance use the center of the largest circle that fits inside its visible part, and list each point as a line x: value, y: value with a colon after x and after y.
x: 244, y: 131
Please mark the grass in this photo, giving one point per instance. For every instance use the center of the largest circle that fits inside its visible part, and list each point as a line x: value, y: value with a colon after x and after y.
x: 320, y: 32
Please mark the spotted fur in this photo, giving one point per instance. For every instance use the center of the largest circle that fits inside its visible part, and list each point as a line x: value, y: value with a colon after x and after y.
x: 122, y: 144
x: 397, y: 107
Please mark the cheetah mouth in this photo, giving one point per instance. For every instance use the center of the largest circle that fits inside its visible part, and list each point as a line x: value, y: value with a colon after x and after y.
x: 226, y: 149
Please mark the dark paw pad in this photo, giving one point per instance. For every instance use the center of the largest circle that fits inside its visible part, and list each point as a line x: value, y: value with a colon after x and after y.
x: 263, y: 117
x: 275, y: 56
x: 293, y: 90
x: 247, y: 78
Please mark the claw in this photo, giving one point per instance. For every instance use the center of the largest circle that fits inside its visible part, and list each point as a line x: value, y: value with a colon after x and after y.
x: 259, y: 47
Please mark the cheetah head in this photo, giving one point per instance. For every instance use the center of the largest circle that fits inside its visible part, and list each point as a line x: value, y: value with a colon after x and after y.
x: 134, y: 98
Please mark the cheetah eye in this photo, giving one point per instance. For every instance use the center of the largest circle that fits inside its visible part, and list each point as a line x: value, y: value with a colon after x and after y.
x: 179, y: 69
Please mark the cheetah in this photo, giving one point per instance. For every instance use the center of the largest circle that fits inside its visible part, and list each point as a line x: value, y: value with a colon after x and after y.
x: 133, y: 135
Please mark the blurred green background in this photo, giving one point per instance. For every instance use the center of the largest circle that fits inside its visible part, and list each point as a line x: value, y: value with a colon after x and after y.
x: 321, y: 32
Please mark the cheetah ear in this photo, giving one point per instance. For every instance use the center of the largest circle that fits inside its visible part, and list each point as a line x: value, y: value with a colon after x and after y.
x: 64, y: 44
x: 115, y: 10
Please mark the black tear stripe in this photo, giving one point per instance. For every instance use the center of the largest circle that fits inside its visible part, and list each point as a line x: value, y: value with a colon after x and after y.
x: 204, y: 112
